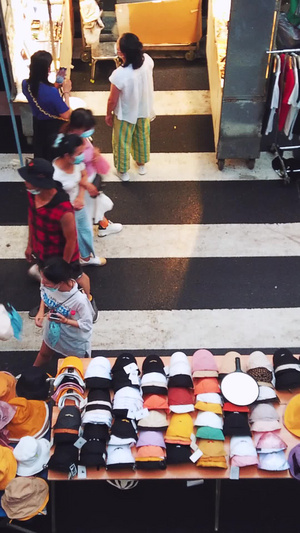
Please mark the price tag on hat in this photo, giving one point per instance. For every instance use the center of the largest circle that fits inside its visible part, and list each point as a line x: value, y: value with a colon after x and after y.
x: 81, y: 474
x: 142, y: 413
x: 79, y: 443
x: 234, y: 472
x: 196, y: 455
x: 134, y: 378
x: 131, y: 368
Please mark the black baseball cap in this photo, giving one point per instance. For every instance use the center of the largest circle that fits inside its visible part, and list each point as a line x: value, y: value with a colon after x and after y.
x: 39, y: 173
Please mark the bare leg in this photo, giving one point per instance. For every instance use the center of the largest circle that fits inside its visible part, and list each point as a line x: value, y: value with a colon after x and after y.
x: 84, y: 282
x: 44, y: 355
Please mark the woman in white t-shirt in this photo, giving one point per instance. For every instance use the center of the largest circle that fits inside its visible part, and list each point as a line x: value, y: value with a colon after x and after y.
x: 130, y: 106
x: 69, y: 170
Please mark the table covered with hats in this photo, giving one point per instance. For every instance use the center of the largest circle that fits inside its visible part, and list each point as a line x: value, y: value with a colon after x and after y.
x: 147, y: 418
x: 138, y: 423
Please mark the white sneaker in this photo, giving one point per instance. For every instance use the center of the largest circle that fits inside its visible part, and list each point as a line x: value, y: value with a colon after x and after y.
x: 34, y: 272
x: 113, y: 227
x: 93, y: 261
x: 142, y: 170
x: 124, y: 176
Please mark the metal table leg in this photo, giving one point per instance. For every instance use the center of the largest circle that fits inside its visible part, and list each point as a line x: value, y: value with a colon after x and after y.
x: 53, y: 508
x: 217, y: 504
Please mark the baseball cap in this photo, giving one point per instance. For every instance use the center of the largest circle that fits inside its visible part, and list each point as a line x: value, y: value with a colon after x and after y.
x: 32, y: 455
x: 72, y: 367
x: 25, y: 497
x: 8, y: 466
x: 33, y: 384
x: 210, y: 397
x: 38, y: 172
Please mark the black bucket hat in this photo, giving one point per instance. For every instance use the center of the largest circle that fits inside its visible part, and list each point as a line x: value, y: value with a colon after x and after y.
x: 123, y: 429
x: 287, y: 369
x: 33, y: 384
x: 64, y: 458
x: 67, y: 425
x: 93, y: 452
x: 39, y: 173
x: 236, y: 424
x: 153, y: 363
x: 178, y: 453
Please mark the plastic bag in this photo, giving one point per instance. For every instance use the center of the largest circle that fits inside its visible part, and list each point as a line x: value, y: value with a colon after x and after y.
x: 288, y: 36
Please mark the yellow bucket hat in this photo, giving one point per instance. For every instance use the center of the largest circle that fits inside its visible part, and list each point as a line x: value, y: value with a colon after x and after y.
x: 181, y: 425
x: 292, y: 415
x: 7, y: 386
x: 8, y: 466
x: 31, y: 418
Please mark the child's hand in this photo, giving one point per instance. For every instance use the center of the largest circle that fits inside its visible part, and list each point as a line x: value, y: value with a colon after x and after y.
x: 92, y: 190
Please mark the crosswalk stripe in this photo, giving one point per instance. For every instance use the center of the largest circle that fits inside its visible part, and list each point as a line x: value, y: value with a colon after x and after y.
x: 167, y: 330
x: 165, y: 102
x: 171, y: 240
x: 170, y: 167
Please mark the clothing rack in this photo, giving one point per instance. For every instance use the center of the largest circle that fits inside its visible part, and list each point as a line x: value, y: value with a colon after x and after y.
x: 276, y: 149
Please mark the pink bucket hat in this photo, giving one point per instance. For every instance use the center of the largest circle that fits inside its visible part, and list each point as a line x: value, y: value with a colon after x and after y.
x: 203, y: 361
x: 270, y: 442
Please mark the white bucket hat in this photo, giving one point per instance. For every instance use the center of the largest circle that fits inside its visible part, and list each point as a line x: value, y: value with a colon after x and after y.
x: 179, y: 364
x: 6, y: 330
x: 32, y: 455
x: 209, y: 419
x: 98, y: 367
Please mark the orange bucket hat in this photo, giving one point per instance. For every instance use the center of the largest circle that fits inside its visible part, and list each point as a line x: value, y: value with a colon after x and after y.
x: 8, y: 466
x: 31, y: 418
x: 203, y: 385
x: 7, y: 386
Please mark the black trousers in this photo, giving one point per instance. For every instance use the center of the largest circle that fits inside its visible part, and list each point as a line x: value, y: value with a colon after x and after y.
x: 44, y: 133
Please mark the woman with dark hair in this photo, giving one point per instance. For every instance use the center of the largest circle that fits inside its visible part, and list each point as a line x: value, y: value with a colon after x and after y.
x: 82, y: 122
x: 48, y: 107
x: 130, y: 106
x: 69, y: 170
x: 68, y: 324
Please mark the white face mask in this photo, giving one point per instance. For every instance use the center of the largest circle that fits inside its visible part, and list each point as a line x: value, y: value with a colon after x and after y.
x: 34, y: 191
